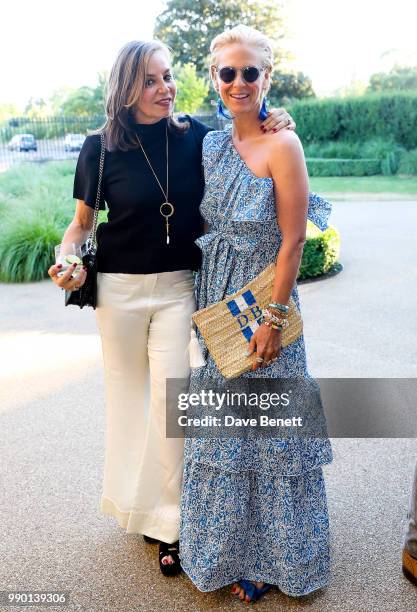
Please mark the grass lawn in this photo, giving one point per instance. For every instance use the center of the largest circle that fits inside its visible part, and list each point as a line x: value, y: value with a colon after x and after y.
x: 395, y: 185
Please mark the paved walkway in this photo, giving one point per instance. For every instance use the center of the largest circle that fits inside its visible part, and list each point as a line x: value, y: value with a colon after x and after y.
x: 360, y: 323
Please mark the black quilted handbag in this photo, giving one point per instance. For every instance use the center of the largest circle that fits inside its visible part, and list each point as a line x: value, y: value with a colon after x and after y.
x: 87, y: 294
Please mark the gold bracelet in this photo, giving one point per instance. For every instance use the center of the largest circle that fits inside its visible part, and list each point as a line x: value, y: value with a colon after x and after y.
x: 278, y: 313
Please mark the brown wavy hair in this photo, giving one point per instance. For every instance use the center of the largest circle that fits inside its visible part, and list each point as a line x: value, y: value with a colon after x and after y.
x: 124, y: 89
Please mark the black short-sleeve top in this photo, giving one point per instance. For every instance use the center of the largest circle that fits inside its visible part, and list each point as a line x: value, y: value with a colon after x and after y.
x: 133, y: 240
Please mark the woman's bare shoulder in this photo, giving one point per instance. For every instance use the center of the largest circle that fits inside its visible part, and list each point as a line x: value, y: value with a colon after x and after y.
x: 284, y: 147
x: 285, y: 140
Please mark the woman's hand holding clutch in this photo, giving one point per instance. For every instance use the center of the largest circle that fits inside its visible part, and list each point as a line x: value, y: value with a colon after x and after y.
x: 266, y: 344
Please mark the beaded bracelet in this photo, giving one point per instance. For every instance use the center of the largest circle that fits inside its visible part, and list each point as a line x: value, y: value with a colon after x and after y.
x: 281, y: 322
x: 277, y: 320
x: 278, y: 313
x: 277, y: 306
x: 272, y: 325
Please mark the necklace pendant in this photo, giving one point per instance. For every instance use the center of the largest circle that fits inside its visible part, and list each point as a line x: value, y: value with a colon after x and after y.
x: 167, y: 228
x: 166, y: 209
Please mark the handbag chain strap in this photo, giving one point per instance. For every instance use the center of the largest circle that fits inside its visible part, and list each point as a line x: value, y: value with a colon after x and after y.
x: 92, y: 240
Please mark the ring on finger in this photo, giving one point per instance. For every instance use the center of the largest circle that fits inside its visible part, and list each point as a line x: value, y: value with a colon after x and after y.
x: 259, y: 360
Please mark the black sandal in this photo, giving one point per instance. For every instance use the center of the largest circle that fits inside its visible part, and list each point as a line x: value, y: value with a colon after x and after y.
x: 172, y: 550
x: 150, y: 540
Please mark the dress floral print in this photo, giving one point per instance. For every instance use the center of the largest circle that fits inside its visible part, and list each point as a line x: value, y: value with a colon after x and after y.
x: 252, y: 508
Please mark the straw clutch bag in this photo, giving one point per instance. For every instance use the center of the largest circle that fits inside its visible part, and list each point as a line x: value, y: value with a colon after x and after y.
x: 228, y: 326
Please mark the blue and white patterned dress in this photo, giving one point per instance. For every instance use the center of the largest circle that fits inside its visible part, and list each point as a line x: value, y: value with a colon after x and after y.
x: 251, y: 508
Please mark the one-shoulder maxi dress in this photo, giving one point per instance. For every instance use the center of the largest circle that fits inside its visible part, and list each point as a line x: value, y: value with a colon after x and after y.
x: 253, y: 509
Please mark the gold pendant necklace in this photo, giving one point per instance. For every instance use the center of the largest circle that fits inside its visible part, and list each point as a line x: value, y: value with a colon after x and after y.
x: 166, y: 209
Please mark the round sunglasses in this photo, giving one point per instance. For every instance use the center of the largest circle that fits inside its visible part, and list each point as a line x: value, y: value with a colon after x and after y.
x: 250, y: 74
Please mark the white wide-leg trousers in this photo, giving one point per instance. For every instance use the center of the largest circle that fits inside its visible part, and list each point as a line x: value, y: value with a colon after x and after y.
x: 144, y: 323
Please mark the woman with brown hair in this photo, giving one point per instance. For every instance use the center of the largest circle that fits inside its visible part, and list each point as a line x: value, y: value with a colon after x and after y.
x: 153, y: 185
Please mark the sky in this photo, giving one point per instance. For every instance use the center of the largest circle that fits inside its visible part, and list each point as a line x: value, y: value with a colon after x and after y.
x: 47, y: 45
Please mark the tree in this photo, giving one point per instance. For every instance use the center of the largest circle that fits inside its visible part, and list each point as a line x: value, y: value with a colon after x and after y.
x: 192, y: 89
x: 80, y: 102
x: 288, y: 85
x: 100, y: 89
x: 398, y: 78
x: 7, y: 111
x: 36, y: 108
x: 188, y: 26
x: 84, y: 100
x: 58, y: 98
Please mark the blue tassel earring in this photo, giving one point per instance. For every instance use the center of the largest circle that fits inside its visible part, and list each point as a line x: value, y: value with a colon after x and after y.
x: 263, y: 113
x: 220, y: 110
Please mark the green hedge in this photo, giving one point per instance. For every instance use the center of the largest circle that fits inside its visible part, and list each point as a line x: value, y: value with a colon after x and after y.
x: 389, y: 115
x: 376, y: 156
x: 377, y: 148
x: 408, y: 163
x: 321, y: 252
x: 343, y: 167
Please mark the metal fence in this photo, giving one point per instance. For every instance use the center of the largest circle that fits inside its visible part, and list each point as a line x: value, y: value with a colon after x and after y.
x: 54, y: 138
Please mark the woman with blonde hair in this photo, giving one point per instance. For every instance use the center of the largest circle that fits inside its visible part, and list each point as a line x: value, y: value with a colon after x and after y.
x: 254, y: 510
x: 152, y: 184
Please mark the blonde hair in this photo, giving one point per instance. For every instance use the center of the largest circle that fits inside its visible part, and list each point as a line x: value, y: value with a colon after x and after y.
x: 125, y: 88
x: 244, y: 35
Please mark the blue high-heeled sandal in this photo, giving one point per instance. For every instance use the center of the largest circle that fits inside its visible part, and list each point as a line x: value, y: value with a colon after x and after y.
x: 252, y: 591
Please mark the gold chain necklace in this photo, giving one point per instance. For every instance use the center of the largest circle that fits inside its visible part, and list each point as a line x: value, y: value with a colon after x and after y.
x: 166, y: 209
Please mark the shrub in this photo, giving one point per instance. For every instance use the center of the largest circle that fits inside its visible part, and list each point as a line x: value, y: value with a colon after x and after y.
x: 390, y: 115
x: 379, y: 148
x: 36, y: 208
x: 27, y: 241
x: 28, y: 236
x: 343, y: 167
x: 386, y: 151
x: 321, y: 252
x: 408, y: 163
x: 335, y: 150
